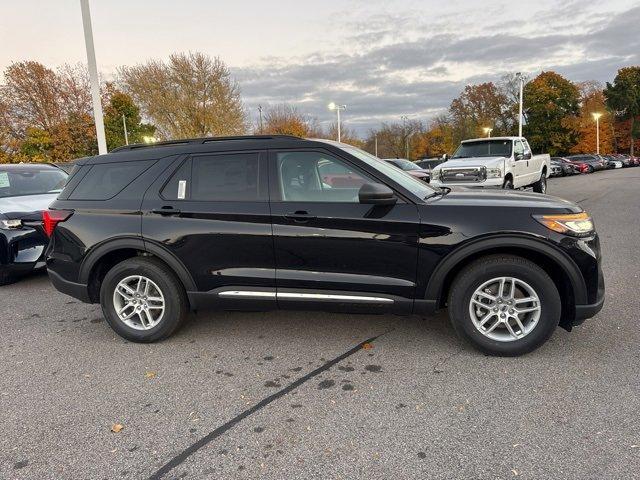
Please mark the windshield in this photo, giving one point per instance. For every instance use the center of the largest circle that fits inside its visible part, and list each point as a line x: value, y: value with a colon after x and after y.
x: 484, y: 148
x: 14, y: 183
x: 419, y: 188
x: 405, y: 164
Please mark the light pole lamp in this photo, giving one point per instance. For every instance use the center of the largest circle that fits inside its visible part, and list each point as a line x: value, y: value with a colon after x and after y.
x: 488, y: 131
x: 596, y: 117
x: 337, y: 108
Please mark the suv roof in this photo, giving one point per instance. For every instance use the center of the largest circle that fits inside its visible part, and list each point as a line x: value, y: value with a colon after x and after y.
x: 148, y: 151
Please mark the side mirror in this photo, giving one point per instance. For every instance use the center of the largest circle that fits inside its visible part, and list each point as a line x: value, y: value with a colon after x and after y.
x: 376, y: 194
x: 445, y: 157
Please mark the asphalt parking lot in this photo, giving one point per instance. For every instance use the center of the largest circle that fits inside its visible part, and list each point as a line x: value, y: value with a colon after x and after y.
x: 288, y: 395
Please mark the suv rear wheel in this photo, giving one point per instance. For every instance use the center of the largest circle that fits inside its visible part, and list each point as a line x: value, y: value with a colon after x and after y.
x: 142, y: 300
x: 504, y: 305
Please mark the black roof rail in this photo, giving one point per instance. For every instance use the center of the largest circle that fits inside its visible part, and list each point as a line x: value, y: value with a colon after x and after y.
x: 189, y: 141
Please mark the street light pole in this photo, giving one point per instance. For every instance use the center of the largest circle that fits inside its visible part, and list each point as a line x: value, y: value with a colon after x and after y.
x: 124, y: 125
x: 521, y: 81
x: 597, y: 118
x: 376, y: 144
x: 93, y: 77
x: 337, y: 108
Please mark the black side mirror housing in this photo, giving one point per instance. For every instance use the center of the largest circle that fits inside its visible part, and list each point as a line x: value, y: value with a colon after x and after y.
x: 376, y: 194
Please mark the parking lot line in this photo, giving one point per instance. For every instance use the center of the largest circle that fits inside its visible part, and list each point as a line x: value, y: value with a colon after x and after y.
x: 193, y: 448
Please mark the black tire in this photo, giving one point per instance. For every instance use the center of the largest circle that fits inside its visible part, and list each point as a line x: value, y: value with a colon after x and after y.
x: 6, y: 279
x: 490, y: 267
x: 541, y: 185
x: 508, y: 184
x: 171, y: 288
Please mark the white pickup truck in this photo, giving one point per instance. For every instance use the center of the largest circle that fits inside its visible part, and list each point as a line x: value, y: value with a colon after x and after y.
x: 499, y: 162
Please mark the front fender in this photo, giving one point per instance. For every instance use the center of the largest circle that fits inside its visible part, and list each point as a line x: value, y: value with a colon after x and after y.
x: 495, y: 242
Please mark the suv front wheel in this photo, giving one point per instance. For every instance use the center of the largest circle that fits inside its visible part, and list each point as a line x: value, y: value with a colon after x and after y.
x: 504, y: 305
x: 142, y: 300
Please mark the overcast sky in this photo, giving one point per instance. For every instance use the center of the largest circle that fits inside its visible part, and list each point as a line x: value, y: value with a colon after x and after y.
x: 383, y: 58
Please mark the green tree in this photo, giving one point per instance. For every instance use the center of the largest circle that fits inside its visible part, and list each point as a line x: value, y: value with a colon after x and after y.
x: 121, y: 106
x: 623, y: 97
x: 551, y: 103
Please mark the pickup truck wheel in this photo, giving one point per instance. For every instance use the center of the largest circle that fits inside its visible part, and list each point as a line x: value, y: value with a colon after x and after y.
x: 504, y: 305
x: 142, y: 300
x: 508, y: 184
x: 541, y: 185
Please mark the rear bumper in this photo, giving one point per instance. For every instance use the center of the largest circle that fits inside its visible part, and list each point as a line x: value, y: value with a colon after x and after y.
x: 76, y: 290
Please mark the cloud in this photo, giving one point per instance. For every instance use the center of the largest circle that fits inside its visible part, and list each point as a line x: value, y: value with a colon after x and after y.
x: 392, y: 74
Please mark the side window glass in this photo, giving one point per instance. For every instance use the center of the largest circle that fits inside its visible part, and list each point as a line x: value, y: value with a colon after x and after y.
x: 226, y: 177
x: 518, y: 148
x: 317, y: 177
x: 178, y: 187
x: 105, y: 181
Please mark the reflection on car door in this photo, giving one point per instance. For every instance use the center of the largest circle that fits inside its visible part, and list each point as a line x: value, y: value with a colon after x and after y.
x: 328, y: 246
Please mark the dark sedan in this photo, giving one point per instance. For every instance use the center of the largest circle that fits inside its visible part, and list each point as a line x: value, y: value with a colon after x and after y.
x: 561, y: 167
x: 411, y: 168
x: 26, y: 190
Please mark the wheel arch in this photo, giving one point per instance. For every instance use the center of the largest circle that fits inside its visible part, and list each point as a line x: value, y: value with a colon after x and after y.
x: 105, y: 255
x: 562, y: 269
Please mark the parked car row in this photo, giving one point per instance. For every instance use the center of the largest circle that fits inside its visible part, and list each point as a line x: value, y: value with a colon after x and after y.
x: 586, y: 163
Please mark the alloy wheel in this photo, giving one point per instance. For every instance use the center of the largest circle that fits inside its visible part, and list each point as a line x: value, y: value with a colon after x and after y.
x: 139, y: 303
x: 505, y: 309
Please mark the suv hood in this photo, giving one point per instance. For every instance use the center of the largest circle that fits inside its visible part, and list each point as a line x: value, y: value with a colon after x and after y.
x: 506, y: 198
x: 19, y: 207
x: 489, y: 162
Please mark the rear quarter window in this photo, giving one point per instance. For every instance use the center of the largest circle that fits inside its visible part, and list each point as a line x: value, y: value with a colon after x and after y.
x: 105, y: 181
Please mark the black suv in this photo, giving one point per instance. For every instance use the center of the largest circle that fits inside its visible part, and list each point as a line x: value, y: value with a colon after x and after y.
x: 266, y: 222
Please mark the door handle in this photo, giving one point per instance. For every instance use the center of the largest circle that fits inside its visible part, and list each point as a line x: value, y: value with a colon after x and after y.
x: 300, y: 216
x: 166, y: 211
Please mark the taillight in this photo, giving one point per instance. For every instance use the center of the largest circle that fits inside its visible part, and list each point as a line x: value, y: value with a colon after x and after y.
x: 51, y: 218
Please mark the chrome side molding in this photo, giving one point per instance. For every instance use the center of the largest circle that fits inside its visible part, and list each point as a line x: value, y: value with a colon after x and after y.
x: 304, y: 296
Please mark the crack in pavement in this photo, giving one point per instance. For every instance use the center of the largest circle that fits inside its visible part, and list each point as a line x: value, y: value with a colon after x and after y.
x: 194, y: 447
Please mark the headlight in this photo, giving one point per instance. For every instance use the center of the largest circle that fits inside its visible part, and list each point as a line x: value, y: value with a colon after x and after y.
x: 579, y: 224
x: 10, y: 224
x: 494, y: 173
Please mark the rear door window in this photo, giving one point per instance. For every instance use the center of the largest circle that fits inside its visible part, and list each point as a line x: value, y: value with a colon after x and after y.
x: 105, y: 181
x: 227, y: 177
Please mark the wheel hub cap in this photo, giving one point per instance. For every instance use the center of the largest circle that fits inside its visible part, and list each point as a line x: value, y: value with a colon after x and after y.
x: 138, y: 302
x: 505, y: 309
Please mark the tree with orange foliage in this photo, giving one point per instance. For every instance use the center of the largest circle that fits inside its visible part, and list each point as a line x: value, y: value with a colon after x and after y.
x: 285, y: 119
x: 592, y: 101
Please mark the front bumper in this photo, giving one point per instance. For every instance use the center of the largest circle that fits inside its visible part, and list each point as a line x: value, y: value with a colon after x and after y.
x: 21, y: 250
x: 488, y: 183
